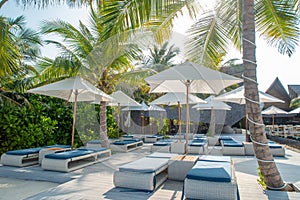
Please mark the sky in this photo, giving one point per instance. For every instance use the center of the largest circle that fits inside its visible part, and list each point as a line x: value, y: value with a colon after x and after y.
x: 270, y: 64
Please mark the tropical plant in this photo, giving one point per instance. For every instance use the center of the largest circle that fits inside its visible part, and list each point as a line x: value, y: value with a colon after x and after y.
x: 160, y: 58
x: 295, y: 103
x: 233, y: 22
x: 19, y: 49
x: 91, y: 52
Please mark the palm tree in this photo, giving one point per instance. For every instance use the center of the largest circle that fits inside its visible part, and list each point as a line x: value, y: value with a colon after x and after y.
x: 277, y: 21
x: 160, y: 58
x: 210, y: 37
x: 91, y: 53
x: 20, y: 47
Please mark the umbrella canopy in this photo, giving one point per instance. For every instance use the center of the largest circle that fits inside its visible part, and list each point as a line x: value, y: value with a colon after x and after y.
x: 295, y: 111
x: 73, y: 90
x: 201, y: 79
x: 212, y: 104
x: 121, y: 99
x: 273, y: 110
x: 189, y: 77
x: 237, y: 96
x: 172, y: 98
x: 143, y: 107
x: 177, y: 98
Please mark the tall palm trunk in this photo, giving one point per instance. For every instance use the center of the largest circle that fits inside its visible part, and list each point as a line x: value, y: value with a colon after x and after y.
x: 269, y: 170
x: 103, y: 128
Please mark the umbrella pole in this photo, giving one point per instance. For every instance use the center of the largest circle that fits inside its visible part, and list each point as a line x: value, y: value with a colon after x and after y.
x: 119, y: 113
x: 74, y: 119
x: 212, y: 122
x: 187, y: 83
x: 179, y: 123
x: 273, y: 120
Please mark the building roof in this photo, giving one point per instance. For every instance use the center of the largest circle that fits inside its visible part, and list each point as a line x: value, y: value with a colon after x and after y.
x: 294, y: 91
x: 276, y: 89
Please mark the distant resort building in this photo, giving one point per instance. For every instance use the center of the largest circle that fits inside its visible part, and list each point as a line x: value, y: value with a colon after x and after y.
x: 277, y: 90
x: 294, y: 91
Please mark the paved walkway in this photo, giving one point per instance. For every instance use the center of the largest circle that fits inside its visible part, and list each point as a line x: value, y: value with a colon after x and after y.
x: 96, y: 181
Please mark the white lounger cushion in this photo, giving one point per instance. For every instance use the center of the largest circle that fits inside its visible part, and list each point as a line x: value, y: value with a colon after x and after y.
x: 145, y: 165
x: 144, y: 174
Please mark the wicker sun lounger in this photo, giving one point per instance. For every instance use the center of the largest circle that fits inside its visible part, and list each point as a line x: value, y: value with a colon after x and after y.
x: 232, y: 147
x: 153, y: 138
x: 74, y: 159
x: 198, y: 146
x: 275, y: 149
x: 162, y: 146
x: 212, y: 177
x: 25, y: 157
x: 146, y: 173
x: 126, y: 145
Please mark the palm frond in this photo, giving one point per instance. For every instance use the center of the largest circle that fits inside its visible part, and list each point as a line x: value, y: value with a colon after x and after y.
x: 278, y: 23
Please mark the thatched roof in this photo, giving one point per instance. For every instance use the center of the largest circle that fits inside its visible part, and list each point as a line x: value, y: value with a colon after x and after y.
x: 276, y: 89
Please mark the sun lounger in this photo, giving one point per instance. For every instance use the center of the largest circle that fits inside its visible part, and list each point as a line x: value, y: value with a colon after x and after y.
x: 146, y: 173
x: 162, y: 146
x: 198, y: 146
x: 153, y: 138
x: 212, y: 177
x: 93, y: 144
x: 25, y: 157
x: 74, y: 159
x: 275, y: 149
x: 178, y: 147
x: 127, y: 137
x: 232, y: 147
x: 126, y: 145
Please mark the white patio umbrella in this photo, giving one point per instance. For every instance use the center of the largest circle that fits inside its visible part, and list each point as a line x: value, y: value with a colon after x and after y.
x: 72, y: 90
x: 212, y: 105
x: 237, y: 96
x: 295, y: 111
x: 176, y: 98
x: 189, y: 77
x: 121, y: 99
x: 273, y: 110
x: 144, y: 108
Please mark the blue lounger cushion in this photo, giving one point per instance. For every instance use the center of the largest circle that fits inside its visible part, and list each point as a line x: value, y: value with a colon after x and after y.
x: 198, y: 142
x: 233, y: 143
x: 210, y: 171
x: 22, y: 152
x: 225, y: 138
x: 69, y: 154
x: 145, y: 165
x: 93, y: 149
x: 274, y: 145
x: 94, y: 142
x: 154, y: 136
x: 162, y: 143
x: 58, y: 146
x: 127, y: 136
x: 124, y: 142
